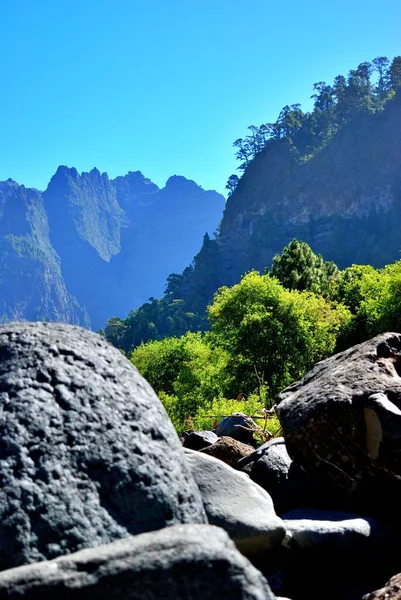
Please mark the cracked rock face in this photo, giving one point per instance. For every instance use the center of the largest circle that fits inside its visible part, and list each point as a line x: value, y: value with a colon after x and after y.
x: 87, y: 452
x: 342, y: 424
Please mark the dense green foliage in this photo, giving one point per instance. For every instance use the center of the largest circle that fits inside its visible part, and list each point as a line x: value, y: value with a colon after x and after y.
x: 274, y: 335
x: 366, y: 89
x: 265, y: 332
x: 299, y: 268
x: 187, y: 373
x: 154, y: 320
x: 374, y: 297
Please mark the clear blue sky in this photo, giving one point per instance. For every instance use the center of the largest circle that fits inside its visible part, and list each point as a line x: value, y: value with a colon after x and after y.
x: 166, y: 86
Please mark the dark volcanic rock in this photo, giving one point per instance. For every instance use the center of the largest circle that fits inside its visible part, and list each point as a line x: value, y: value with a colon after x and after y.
x: 228, y: 450
x: 235, y: 503
x: 196, y: 440
x: 87, y: 452
x: 273, y: 469
x: 335, y: 555
x: 342, y: 424
x: 334, y: 531
x: 238, y: 426
x: 187, y: 562
x: 391, y: 591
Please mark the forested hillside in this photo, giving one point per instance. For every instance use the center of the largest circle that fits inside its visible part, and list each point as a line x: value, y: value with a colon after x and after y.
x: 266, y: 332
x: 330, y: 177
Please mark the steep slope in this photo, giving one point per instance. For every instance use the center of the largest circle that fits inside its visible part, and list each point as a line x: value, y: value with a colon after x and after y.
x: 165, y: 231
x: 31, y: 284
x: 345, y: 202
x: 119, y: 240
x: 85, y: 229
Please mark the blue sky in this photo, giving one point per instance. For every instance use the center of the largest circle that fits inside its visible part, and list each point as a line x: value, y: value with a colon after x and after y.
x: 166, y: 86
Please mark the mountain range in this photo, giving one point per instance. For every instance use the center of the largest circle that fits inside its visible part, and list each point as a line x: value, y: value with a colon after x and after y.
x: 90, y: 247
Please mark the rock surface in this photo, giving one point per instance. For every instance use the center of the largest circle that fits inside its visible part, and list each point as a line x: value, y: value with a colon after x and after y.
x: 87, y: 452
x: 342, y: 424
x: 391, y: 591
x: 228, y: 450
x: 238, y: 426
x: 237, y: 504
x: 196, y: 440
x: 275, y: 472
x: 197, y: 562
x: 337, y: 531
x: 335, y: 555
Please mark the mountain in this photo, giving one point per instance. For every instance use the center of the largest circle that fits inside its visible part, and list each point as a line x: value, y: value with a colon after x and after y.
x: 344, y: 200
x: 89, y: 247
x: 31, y: 282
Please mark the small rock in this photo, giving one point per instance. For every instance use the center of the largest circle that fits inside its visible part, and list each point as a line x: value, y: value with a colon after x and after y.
x: 196, y: 440
x: 276, y: 473
x: 311, y: 528
x: 228, y: 450
x: 391, y: 591
x: 335, y: 555
x: 238, y: 426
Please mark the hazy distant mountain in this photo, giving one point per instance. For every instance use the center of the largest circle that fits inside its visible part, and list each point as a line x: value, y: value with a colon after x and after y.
x: 31, y: 282
x: 90, y: 247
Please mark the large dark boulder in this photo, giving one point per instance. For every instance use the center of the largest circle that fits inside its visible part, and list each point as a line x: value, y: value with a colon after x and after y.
x: 197, y: 562
x: 342, y: 424
x: 273, y: 469
x: 87, y: 452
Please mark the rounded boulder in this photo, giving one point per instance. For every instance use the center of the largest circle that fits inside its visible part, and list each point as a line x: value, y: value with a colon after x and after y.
x: 87, y: 452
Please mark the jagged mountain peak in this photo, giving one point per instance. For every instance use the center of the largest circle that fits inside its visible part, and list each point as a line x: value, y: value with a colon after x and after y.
x: 181, y: 183
x: 110, y: 243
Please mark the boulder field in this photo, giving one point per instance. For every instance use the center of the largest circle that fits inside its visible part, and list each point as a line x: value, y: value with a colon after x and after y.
x: 98, y: 499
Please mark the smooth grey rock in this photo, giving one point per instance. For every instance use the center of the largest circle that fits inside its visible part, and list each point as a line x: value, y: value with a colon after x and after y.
x: 311, y: 528
x: 196, y: 440
x: 336, y: 555
x: 238, y: 426
x: 237, y: 504
x: 87, y: 452
x: 196, y: 562
x: 342, y: 424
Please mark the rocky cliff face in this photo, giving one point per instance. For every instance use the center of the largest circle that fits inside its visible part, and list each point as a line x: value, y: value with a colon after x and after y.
x: 345, y: 201
x: 31, y: 283
x: 93, y: 246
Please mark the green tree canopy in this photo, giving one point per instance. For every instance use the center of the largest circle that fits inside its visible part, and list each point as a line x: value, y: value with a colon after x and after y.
x: 189, y: 369
x: 272, y: 334
x: 299, y: 268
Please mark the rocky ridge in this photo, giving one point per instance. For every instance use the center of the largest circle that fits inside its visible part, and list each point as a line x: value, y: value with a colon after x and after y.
x: 89, y: 248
